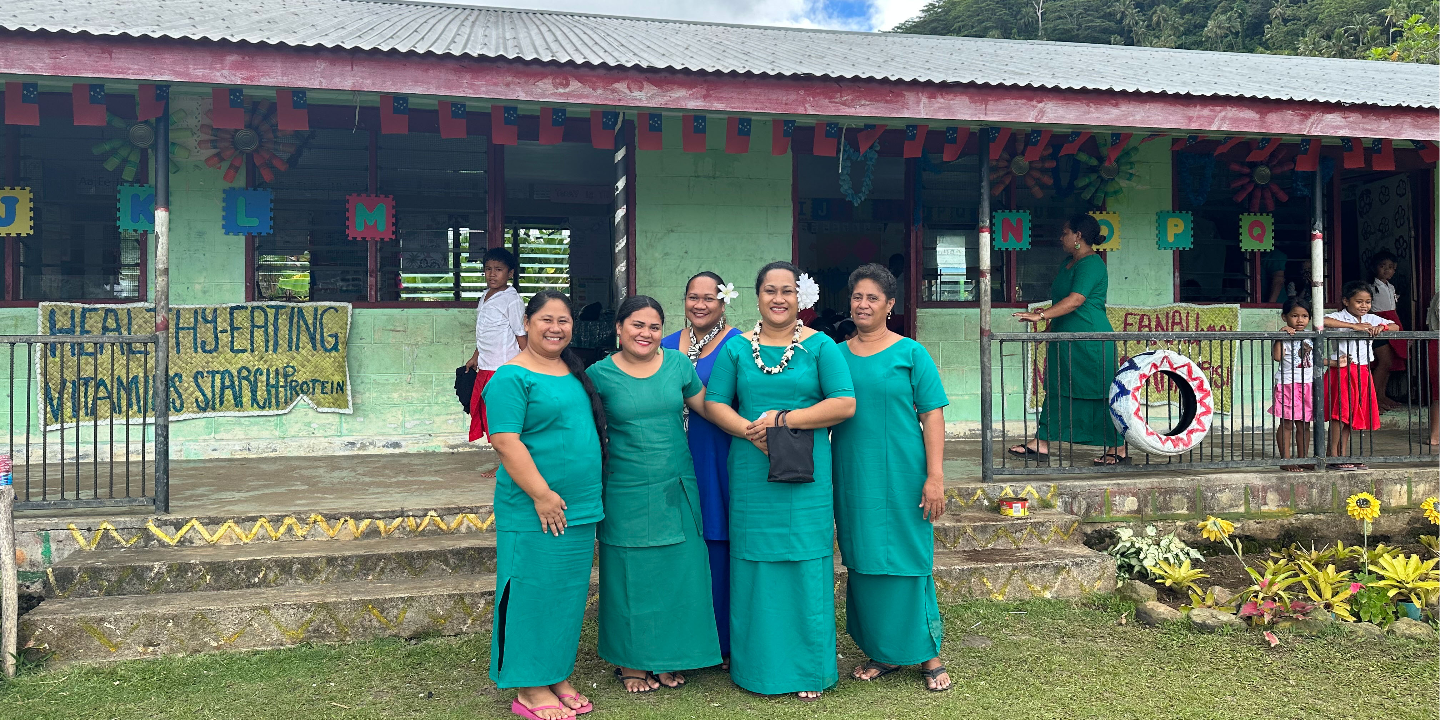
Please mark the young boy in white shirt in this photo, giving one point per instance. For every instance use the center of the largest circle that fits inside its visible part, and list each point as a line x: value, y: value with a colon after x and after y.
x: 499, y: 330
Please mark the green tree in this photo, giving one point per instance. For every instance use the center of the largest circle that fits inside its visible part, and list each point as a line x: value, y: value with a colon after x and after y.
x: 1399, y: 30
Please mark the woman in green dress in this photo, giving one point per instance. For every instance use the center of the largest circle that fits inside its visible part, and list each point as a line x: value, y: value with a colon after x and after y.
x: 1078, y: 374
x: 889, y: 488
x: 782, y: 556
x: 547, y: 503
x: 656, y: 614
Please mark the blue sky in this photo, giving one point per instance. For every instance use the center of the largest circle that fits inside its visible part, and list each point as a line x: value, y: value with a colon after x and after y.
x: 836, y: 14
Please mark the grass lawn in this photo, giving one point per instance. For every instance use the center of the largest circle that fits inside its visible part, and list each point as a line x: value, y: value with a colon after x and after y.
x: 1050, y: 659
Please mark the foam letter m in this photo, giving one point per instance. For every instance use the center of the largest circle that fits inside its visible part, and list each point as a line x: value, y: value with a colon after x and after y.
x: 370, y: 217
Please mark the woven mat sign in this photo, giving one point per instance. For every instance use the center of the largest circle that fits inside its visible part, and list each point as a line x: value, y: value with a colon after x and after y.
x: 241, y: 359
x: 1215, y: 358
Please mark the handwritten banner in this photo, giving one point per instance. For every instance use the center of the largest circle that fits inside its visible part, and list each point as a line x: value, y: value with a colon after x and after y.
x: 225, y: 360
x: 1215, y: 357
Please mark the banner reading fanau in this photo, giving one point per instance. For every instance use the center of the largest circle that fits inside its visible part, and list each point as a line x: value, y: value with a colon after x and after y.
x: 240, y: 359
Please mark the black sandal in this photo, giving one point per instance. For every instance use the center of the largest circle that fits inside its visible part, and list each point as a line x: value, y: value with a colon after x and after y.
x: 934, y: 674
x: 642, y: 678
x: 1112, y: 459
x: 882, y: 667
x: 1027, y: 452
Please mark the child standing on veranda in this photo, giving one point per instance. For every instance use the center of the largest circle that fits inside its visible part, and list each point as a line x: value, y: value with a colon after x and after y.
x: 499, y: 331
x: 1350, y: 401
x: 1294, y: 395
x: 1389, y: 354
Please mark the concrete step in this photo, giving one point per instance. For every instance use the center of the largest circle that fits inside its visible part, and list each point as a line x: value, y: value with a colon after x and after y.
x: 1056, y: 571
x: 976, y: 529
x: 136, y: 626
x: 164, y: 570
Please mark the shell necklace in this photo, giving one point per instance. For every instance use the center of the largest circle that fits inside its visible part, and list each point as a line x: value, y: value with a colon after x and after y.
x: 784, y: 359
x: 693, y: 352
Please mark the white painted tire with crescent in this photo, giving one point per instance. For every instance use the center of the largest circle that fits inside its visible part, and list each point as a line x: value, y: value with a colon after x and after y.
x: 1197, y: 407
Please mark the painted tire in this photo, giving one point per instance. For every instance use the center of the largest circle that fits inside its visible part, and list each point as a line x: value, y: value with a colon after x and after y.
x: 1196, y: 404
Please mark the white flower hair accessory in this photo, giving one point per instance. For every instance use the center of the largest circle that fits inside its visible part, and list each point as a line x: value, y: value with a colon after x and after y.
x: 808, y: 291
x: 728, y: 292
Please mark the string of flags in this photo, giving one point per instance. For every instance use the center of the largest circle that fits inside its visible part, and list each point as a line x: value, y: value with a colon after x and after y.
x: 89, y: 103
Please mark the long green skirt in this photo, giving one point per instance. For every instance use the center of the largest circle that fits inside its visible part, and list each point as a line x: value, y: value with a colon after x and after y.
x: 541, y: 584
x: 1078, y: 420
x: 655, y: 607
x: 782, y: 625
x: 894, y: 618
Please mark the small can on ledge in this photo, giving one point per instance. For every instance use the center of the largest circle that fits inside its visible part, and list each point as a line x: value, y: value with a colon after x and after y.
x: 1014, y: 507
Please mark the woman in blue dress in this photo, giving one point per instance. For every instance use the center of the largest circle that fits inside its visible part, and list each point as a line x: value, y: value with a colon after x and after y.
x: 706, y: 297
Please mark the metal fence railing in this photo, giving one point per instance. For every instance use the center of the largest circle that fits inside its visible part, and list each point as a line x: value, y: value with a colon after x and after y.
x: 80, y: 413
x: 1046, y: 398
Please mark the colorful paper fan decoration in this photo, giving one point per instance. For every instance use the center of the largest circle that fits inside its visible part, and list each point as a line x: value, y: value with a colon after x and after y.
x: 1008, y: 169
x: 1255, y: 182
x: 140, y: 136
x: 1104, y: 180
x: 261, y: 139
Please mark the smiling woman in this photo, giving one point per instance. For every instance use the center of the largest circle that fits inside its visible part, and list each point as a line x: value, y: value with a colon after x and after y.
x: 651, y: 538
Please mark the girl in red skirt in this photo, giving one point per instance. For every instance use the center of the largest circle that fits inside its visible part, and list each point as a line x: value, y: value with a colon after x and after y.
x: 1350, y: 400
x: 499, y: 331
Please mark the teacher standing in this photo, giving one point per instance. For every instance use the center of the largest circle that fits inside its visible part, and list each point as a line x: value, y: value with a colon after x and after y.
x: 889, y: 488
x: 782, y: 562
x: 655, y: 611
x: 1078, y: 374
x: 548, y: 424
x: 706, y: 298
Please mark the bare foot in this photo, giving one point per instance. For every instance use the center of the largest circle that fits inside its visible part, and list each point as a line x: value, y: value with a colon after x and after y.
x: 567, y: 694
x: 542, y: 702
x: 808, y: 694
x: 671, y: 679
x: 489, y: 474
x: 935, y: 681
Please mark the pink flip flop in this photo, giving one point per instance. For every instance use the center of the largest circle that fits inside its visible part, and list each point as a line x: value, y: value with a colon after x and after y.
x: 587, y: 707
x: 519, y: 708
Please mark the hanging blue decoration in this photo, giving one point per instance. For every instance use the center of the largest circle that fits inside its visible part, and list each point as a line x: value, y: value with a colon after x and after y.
x: 1302, y: 181
x: 1196, y: 173
x: 849, y: 155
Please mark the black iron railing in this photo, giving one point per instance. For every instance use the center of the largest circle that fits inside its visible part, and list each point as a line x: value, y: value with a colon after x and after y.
x: 80, y: 414
x: 1235, y: 423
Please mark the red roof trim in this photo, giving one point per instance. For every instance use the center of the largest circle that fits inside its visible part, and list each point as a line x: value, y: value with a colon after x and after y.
x: 186, y: 61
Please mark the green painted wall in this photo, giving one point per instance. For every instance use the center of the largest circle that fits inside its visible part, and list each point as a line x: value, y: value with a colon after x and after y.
x: 729, y: 214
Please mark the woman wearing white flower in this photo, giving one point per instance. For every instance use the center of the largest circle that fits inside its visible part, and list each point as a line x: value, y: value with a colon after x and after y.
x: 706, y: 298
x: 782, y: 562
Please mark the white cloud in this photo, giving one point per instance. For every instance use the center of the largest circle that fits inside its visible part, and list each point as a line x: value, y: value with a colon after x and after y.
x: 889, y: 13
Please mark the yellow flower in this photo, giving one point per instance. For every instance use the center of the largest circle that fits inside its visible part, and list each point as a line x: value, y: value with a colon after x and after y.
x: 1363, y: 506
x: 1216, y: 529
x: 1431, y: 513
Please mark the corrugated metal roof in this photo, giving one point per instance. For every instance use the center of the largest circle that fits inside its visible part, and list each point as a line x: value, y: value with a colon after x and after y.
x: 664, y: 44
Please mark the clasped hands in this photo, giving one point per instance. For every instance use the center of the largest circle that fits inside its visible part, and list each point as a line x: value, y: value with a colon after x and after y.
x: 755, y: 430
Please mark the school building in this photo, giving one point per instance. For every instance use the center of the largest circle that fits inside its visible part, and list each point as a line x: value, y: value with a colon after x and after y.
x: 359, y: 157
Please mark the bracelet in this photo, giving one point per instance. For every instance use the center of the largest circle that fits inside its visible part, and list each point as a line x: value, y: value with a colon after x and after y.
x: 1041, y: 313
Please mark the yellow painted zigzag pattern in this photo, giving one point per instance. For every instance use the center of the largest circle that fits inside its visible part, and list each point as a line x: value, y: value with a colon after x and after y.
x: 290, y: 527
x: 985, y: 496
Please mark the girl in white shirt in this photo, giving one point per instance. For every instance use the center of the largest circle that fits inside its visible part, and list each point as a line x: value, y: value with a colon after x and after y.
x: 1293, y: 402
x: 1350, y: 390
x: 1389, y: 354
x: 499, y: 331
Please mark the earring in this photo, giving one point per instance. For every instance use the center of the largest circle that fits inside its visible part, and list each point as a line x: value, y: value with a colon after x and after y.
x: 889, y: 315
x: 1077, y: 244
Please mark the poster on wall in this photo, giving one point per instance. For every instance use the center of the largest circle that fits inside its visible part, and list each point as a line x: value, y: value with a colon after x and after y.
x: 258, y: 358
x: 1216, y: 358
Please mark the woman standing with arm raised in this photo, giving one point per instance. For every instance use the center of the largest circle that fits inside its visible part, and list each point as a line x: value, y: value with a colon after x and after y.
x: 889, y: 488
x: 782, y: 562
x: 655, y: 611
x: 706, y: 298
x: 547, y: 502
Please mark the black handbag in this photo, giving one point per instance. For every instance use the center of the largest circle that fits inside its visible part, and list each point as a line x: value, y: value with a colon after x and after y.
x: 792, y: 452
x: 465, y: 386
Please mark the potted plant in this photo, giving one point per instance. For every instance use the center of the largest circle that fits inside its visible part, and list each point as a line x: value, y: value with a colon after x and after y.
x: 1407, y: 579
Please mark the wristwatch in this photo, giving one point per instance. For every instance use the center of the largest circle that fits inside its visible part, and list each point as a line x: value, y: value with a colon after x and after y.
x: 1041, y: 313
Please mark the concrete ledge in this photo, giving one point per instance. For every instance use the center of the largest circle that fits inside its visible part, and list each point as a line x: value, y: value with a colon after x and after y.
x: 160, y: 570
x: 137, y: 626
x: 1062, y: 571
x: 976, y: 529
